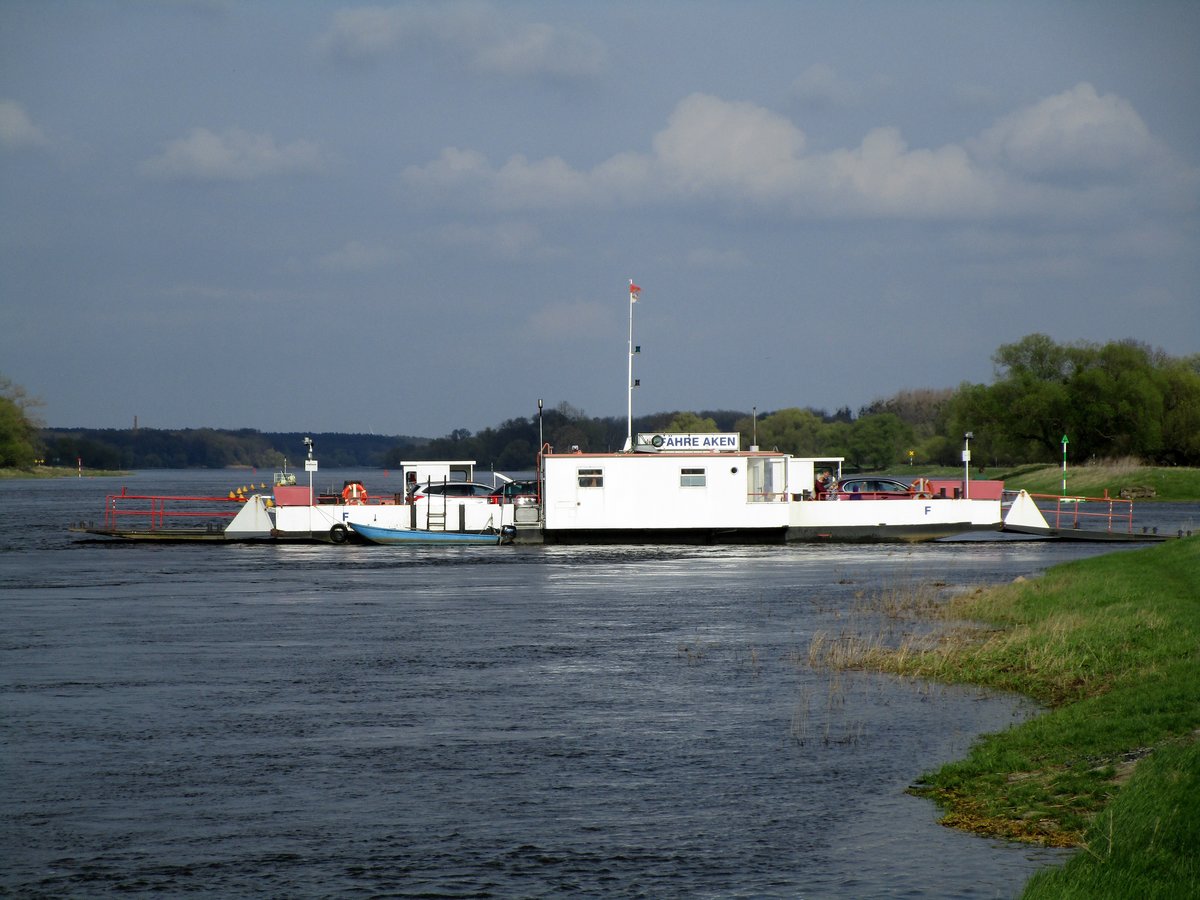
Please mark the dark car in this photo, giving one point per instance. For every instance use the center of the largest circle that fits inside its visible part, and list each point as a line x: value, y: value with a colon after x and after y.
x: 873, y: 488
x: 519, y: 492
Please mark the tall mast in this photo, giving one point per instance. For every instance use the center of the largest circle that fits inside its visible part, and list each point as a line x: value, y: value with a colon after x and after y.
x: 630, y: 384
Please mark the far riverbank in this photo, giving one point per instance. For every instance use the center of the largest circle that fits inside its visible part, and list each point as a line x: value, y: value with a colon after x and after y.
x: 1144, y: 483
x: 58, y: 472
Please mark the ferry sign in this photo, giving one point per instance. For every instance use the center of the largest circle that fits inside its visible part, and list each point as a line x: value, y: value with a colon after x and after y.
x: 689, y: 442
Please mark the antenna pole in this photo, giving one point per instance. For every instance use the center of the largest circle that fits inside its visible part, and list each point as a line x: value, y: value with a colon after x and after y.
x: 633, y: 292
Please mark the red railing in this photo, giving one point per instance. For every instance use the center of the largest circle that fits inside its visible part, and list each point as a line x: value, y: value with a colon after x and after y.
x: 128, y: 512
x: 1081, y: 513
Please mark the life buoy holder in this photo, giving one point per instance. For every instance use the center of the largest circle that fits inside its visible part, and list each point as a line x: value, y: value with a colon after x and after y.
x: 354, y: 494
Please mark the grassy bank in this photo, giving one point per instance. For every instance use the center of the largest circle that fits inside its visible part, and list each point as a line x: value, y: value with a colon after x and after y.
x: 56, y: 472
x: 1179, y: 484
x: 1173, y: 483
x: 1112, y: 646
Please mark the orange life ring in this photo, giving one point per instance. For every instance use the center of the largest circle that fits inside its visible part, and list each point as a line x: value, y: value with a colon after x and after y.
x: 354, y: 494
x: 921, y: 489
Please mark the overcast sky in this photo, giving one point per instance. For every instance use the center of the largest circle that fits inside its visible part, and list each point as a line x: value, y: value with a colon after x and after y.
x: 414, y: 217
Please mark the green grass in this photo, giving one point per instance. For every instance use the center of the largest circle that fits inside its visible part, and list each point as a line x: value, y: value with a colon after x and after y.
x: 1145, y: 844
x: 1112, y: 646
x: 1172, y: 483
x: 55, y: 472
x: 1180, y: 484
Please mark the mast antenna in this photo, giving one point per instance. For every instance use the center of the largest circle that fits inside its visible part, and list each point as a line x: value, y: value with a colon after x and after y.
x: 630, y: 384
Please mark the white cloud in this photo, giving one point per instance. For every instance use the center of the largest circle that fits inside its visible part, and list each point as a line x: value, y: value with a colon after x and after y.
x: 738, y: 154
x: 711, y: 145
x: 485, y: 38
x: 733, y: 152
x: 452, y: 167
x: 1077, y: 132
x: 882, y: 176
x: 17, y: 129
x: 519, y: 183
x: 233, y: 155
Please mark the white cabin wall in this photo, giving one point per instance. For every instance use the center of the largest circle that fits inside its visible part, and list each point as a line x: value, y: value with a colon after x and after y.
x: 802, y: 475
x: 644, y: 492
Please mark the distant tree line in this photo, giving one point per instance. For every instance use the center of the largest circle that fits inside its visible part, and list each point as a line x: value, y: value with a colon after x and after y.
x: 210, y: 448
x: 1113, y: 400
x: 1120, y: 399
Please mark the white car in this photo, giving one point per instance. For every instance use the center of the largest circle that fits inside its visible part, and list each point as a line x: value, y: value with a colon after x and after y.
x: 452, y: 490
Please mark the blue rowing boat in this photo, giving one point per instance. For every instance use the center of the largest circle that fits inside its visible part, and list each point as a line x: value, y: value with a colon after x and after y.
x: 376, y: 534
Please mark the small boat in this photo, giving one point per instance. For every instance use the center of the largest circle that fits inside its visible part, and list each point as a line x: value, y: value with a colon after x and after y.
x: 377, y: 534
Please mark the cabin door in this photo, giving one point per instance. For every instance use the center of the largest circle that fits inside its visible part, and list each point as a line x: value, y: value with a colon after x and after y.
x: 766, y: 479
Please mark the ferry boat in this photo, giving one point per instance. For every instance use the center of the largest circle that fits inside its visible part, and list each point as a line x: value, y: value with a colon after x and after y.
x: 670, y: 488
x: 705, y: 488
x: 659, y: 488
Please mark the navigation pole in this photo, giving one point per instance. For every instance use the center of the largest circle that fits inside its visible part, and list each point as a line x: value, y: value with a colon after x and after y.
x: 630, y: 384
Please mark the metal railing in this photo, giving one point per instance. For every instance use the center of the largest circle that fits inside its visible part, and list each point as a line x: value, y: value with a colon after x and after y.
x: 1113, y: 514
x: 128, y: 512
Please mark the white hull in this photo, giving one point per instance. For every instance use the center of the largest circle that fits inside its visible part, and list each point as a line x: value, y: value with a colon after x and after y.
x: 723, y: 496
x: 883, y: 520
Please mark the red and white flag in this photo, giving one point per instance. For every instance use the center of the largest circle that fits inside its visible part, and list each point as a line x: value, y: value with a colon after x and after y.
x: 634, y: 290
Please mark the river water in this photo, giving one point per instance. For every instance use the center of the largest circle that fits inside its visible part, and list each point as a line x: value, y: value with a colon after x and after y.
x: 450, y: 722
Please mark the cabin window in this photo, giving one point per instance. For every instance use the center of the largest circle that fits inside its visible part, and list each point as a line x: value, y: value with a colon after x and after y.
x: 692, y: 478
x: 591, y: 478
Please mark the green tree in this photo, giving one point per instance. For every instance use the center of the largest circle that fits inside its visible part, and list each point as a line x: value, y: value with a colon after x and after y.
x: 878, y: 441
x: 518, y: 455
x: 1116, y: 399
x: 793, y: 430
x: 927, y: 413
x: 1180, y: 380
x: 924, y: 409
x: 1116, y: 402
x: 19, y: 442
x: 690, y: 423
x: 1035, y: 357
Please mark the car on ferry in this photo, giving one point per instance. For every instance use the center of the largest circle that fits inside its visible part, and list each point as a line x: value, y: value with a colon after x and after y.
x: 522, y: 493
x: 873, y: 488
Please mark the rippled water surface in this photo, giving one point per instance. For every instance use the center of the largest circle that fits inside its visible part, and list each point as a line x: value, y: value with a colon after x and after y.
x: 326, y: 720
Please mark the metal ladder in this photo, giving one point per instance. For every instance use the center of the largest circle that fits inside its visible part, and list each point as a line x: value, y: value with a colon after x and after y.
x: 435, y: 520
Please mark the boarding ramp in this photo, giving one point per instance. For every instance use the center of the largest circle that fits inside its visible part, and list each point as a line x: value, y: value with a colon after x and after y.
x: 1064, y: 518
